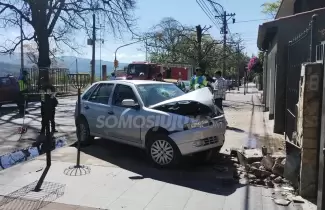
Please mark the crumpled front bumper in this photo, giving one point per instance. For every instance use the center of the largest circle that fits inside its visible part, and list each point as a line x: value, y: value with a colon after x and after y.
x: 198, y: 139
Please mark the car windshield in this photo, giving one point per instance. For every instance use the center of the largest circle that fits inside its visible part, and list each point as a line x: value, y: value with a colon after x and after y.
x: 155, y: 93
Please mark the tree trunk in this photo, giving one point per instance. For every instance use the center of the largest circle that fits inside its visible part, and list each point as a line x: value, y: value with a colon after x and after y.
x: 41, y: 29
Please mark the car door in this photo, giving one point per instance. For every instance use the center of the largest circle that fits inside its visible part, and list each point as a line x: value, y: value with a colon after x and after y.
x: 129, y: 120
x: 98, y: 107
x: 6, y: 90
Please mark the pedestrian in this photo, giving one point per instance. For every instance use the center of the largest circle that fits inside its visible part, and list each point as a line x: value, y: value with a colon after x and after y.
x: 180, y: 84
x: 220, y: 88
x: 113, y: 77
x: 23, y: 91
x: 192, y: 81
x: 159, y: 77
x: 52, y: 103
x: 200, y: 80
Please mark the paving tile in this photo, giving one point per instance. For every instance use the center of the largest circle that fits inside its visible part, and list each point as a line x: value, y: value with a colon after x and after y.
x: 245, y: 198
x: 138, y: 196
x: 95, y: 201
x: 170, y: 197
x: 86, y: 208
x: 206, y: 201
x: 7, y: 189
x: 59, y: 206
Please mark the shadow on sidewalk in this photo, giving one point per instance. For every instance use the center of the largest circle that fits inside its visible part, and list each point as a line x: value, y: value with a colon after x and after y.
x: 235, y: 129
x: 216, y: 178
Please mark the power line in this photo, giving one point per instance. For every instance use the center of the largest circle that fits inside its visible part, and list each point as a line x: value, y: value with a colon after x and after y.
x: 207, y: 12
x: 247, y: 21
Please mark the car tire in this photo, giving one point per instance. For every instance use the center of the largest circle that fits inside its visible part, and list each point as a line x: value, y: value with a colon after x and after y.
x: 83, y: 133
x: 163, y: 152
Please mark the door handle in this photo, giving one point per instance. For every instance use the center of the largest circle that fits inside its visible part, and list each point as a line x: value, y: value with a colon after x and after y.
x: 86, y: 107
x: 110, y: 112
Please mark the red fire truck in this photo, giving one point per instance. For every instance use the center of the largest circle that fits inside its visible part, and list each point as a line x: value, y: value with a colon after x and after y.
x: 147, y: 71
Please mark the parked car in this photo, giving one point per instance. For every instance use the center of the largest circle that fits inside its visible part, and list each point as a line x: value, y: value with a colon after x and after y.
x: 9, y: 90
x: 173, y: 123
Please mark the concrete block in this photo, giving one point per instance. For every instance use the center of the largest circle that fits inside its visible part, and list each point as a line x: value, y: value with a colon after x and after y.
x: 310, y: 121
x: 308, y: 173
x: 309, y: 143
x: 312, y: 108
x: 310, y: 132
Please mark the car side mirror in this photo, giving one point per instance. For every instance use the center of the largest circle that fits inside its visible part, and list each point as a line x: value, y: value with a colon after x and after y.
x: 130, y: 103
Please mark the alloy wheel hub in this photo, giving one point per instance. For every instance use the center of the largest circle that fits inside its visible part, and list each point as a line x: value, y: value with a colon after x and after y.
x: 162, y: 152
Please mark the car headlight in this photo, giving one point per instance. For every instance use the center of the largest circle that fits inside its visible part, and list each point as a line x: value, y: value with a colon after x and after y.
x: 200, y: 124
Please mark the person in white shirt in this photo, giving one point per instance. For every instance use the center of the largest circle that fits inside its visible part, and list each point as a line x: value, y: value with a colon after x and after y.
x: 220, y: 88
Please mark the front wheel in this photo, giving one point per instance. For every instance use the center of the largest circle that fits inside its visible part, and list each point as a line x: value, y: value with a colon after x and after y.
x: 163, y: 152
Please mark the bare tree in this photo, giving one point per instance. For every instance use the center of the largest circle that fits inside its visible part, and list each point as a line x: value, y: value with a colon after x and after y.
x: 58, y: 19
x: 31, y: 51
x: 173, y: 42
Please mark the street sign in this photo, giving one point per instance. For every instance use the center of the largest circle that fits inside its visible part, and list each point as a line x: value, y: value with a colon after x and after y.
x: 115, y: 63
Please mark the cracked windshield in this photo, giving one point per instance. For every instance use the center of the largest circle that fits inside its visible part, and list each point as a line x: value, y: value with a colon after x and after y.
x: 174, y: 104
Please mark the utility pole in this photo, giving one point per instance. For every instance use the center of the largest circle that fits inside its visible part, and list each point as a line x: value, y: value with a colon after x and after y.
x: 238, y: 64
x: 93, y: 53
x: 77, y: 72
x: 101, y: 41
x: 199, y: 41
x: 224, y: 30
x: 21, y: 44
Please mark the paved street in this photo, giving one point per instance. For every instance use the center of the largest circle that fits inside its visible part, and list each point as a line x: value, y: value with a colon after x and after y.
x: 10, y: 121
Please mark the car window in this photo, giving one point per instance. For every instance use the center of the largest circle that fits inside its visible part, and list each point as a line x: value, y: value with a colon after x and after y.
x: 89, y: 92
x: 155, y: 93
x: 102, y: 93
x: 121, y: 93
x: 5, y: 82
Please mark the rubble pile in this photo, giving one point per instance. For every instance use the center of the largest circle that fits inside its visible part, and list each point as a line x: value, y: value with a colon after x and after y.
x: 259, y: 169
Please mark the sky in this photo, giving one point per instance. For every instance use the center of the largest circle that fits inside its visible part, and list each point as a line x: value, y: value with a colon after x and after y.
x: 187, y: 12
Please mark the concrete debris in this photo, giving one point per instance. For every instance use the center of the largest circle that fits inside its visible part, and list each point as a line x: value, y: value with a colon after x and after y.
x: 268, y: 182
x: 260, y: 173
x: 278, y: 180
x: 298, y: 199
x: 286, y: 188
x: 282, y: 202
x: 273, y: 176
x: 256, y: 164
x: 278, y: 169
x: 267, y: 162
x: 264, y: 170
x: 251, y: 176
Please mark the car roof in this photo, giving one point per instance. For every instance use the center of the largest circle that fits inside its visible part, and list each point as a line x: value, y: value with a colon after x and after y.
x: 135, y: 82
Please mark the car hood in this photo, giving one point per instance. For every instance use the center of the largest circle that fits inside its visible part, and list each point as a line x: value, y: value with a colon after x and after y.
x: 203, y: 96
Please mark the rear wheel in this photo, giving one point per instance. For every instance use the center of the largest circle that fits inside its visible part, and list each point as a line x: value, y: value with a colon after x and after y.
x: 163, y: 152
x: 83, y: 132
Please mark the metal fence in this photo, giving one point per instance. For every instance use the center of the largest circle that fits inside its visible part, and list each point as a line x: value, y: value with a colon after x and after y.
x: 301, y: 49
x: 58, y: 77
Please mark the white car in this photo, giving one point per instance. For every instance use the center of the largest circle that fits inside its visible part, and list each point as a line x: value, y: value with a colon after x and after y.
x: 155, y: 116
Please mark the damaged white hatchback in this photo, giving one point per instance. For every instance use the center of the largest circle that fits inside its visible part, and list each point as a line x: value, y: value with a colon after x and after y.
x: 155, y: 116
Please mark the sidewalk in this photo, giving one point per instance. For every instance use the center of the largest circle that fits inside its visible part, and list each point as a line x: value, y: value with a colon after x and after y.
x: 249, y: 125
x: 10, y: 122
x: 117, y: 186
